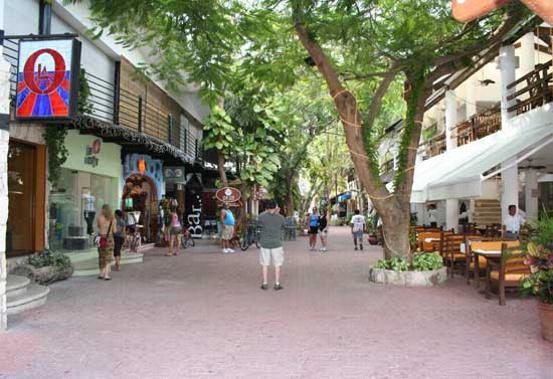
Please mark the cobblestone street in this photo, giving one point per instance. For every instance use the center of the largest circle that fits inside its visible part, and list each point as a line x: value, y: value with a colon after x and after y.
x: 202, y: 314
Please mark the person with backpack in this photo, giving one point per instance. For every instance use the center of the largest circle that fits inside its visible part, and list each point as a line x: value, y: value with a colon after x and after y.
x: 313, y: 222
x: 357, y: 227
x: 323, y: 227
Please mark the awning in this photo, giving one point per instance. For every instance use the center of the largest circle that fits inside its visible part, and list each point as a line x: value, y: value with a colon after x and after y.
x: 460, y: 172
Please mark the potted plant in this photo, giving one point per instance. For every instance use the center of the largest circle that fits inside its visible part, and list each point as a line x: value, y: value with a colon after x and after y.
x: 539, y: 256
x: 426, y: 269
x: 46, y: 267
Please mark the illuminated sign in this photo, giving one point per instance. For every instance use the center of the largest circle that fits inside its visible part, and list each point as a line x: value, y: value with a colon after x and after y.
x: 48, y: 79
x: 228, y: 195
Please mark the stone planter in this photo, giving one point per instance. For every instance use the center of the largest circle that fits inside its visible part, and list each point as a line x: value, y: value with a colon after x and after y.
x: 43, y: 275
x: 545, y: 312
x: 409, y: 278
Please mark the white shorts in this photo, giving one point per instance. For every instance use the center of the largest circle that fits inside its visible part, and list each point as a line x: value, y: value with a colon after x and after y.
x: 276, y: 254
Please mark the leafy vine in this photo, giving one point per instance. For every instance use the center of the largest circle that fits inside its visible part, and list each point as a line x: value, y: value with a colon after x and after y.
x: 57, y: 152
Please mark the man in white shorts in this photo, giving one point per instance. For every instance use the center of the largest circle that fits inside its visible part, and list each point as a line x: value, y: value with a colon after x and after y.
x: 271, y: 224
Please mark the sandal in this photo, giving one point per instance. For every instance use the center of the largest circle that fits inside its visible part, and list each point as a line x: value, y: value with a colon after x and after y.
x: 168, y: 255
x: 100, y: 277
x: 108, y: 278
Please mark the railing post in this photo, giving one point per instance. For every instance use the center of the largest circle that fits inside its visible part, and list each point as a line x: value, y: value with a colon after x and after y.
x: 170, y: 128
x: 140, y: 114
x: 116, y: 92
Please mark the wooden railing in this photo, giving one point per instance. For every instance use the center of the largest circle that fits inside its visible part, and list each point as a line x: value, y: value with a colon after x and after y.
x: 479, y: 126
x: 434, y: 146
x: 387, y: 167
x: 537, y: 90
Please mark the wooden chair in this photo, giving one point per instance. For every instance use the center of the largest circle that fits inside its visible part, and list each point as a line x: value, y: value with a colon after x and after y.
x: 494, y: 231
x: 451, y: 251
x: 507, y: 271
x: 428, y: 246
x: 476, y: 242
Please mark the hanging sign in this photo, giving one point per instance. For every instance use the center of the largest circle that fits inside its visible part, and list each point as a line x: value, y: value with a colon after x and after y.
x: 228, y: 195
x: 174, y: 174
x: 48, y: 79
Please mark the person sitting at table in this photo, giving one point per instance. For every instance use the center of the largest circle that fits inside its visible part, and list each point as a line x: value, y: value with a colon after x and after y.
x: 512, y: 223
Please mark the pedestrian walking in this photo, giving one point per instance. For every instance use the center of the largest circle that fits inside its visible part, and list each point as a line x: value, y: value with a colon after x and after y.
x: 106, y: 227
x: 175, y: 230
x: 271, y: 224
x: 118, y: 238
x: 323, y: 228
x: 357, y: 227
x: 227, y: 222
x: 313, y: 222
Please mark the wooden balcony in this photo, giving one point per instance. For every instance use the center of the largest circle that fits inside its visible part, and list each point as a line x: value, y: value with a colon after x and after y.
x: 533, y: 90
x: 479, y: 126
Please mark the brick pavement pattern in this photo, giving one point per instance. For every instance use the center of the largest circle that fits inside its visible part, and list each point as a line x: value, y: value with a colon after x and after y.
x: 202, y: 315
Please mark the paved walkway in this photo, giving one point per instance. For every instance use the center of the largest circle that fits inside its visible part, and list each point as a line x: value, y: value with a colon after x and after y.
x: 202, y: 315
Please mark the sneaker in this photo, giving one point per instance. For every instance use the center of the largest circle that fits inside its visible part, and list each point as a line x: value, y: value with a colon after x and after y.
x: 230, y: 251
x: 278, y: 287
x: 225, y: 251
x: 264, y: 286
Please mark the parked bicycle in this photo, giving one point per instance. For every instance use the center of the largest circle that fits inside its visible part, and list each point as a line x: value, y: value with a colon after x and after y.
x: 250, y: 236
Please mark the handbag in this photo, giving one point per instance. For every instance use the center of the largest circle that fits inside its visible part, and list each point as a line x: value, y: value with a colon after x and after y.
x: 103, y: 244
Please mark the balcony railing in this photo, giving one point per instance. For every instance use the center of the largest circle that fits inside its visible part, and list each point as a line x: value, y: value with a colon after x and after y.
x: 109, y: 104
x: 387, y: 167
x: 479, y: 126
x: 433, y: 146
x: 536, y: 91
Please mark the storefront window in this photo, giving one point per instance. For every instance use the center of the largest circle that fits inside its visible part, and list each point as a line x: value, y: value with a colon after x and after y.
x: 21, y: 194
x: 74, y: 208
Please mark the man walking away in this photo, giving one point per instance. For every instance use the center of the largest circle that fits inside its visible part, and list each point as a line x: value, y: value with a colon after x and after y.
x: 313, y: 222
x: 323, y: 227
x: 271, y: 224
x: 227, y: 221
x: 357, y: 227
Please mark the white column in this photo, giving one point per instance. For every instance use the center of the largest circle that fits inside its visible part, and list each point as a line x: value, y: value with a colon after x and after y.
x: 509, y: 182
x: 452, y: 205
x: 470, y: 104
x: 531, y: 195
x: 4, y: 144
x: 509, y: 177
x: 507, y: 64
x: 527, y: 53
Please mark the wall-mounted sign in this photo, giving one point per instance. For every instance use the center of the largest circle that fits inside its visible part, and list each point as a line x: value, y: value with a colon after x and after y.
x: 174, y: 174
x: 92, y: 151
x: 228, y: 195
x: 48, y: 79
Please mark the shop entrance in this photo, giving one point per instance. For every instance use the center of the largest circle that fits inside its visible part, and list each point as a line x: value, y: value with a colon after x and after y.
x: 140, y: 195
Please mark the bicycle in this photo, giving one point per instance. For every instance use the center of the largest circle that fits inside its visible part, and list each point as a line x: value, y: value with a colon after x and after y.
x: 250, y: 237
x: 186, y: 239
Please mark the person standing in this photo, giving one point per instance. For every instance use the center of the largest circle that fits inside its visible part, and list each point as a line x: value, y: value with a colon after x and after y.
x: 323, y: 228
x: 118, y: 238
x: 106, y: 228
x: 175, y: 230
x: 227, y: 221
x: 313, y: 222
x: 271, y: 224
x: 512, y: 223
x: 433, y: 216
x: 357, y: 227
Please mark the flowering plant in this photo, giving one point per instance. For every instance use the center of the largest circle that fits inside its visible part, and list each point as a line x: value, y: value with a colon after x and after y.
x: 539, y: 256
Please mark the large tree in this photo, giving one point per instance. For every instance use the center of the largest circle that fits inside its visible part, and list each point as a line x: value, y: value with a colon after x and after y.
x: 382, y: 39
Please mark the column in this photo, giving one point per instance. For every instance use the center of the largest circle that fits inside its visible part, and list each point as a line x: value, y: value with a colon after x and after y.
x: 531, y: 193
x: 509, y: 177
x: 452, y: 205
x: 4, y: 143
x: 507, y: 64
x: 527, y: 53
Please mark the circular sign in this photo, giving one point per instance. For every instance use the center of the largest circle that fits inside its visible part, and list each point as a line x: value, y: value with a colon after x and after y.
x: 44, y: 82
x: 228, y: 195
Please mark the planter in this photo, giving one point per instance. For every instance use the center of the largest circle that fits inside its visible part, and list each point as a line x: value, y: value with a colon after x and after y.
x: 409, y: 278
x: 545, y: 312
x: 43, y: 275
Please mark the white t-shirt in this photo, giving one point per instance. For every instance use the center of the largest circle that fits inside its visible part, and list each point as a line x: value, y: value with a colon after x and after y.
x: 432, y: 215
x: 358, y: 223
x: 513, y: 223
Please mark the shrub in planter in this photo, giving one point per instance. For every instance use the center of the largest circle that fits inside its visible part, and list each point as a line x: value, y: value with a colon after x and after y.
x: 540, y: 283
x: 46, y: 267
x: 427, y: 269
x: 427, y: 261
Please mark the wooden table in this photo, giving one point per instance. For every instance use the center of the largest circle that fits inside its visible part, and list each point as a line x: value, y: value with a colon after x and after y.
x: 489, y: 255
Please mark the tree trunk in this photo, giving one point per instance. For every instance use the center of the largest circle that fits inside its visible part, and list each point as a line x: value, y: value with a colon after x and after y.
x: 290, y: 195
x: 221, y: 168
x: 395, y: 231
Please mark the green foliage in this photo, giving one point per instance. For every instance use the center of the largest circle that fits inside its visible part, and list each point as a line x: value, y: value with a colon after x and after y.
x: 539, y: 256
x: 84, y: 106
x: 397, y: 264
x: 54, y: 136
x: 49, y: 258
x: 427, y: 261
